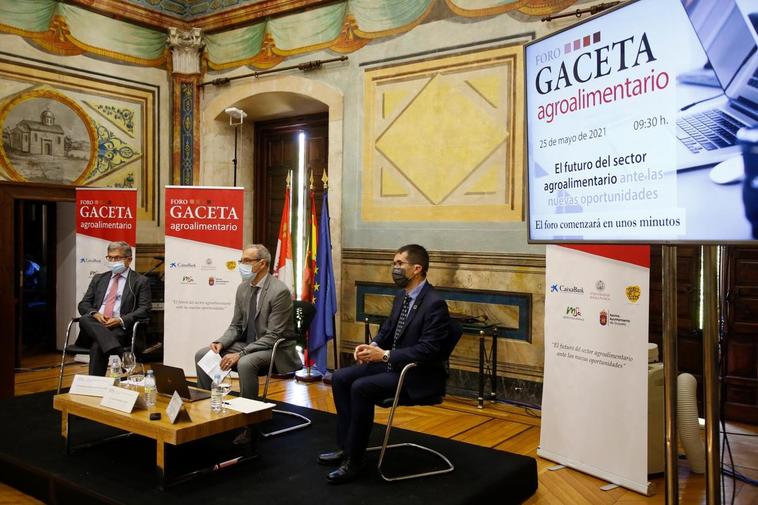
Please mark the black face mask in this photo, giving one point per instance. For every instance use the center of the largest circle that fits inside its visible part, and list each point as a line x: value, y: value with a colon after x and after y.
x: 398, y: 275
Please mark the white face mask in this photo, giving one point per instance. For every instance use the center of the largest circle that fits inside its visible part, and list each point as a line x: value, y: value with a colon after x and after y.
x: 117, y: 267
x: 246, y: 271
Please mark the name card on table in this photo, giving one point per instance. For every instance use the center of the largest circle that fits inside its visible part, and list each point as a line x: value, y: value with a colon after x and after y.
x: 175, y: 408
x: 123, y: 400
x: 90, y: 385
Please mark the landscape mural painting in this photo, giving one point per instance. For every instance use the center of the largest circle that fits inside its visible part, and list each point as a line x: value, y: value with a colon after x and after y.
x: 47, y: 137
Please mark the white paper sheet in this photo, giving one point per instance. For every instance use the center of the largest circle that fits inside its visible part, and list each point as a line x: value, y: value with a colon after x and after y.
x: 211, y: 364
x: 246, y: 406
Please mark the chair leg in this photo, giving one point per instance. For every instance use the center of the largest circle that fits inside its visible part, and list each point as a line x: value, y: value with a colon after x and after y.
x: 448, y: 463
x: 306, y: 422
x: 63, y: 356
x: 385, y: 445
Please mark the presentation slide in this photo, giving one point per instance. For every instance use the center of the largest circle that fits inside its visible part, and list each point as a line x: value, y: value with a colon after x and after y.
x: 637, y: 120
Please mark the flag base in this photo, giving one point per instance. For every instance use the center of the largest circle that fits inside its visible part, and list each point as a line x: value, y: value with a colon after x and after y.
x: 328, y: 378
x: 308, y: 374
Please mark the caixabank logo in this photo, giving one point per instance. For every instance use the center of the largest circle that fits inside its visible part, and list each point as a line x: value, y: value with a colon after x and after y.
x: 564, y: 289
x: 573, y: 313
x: 180, y: 264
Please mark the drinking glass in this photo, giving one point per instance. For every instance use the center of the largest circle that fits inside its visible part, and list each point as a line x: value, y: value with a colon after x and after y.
x: 138, y: 375
x: 128, y: 362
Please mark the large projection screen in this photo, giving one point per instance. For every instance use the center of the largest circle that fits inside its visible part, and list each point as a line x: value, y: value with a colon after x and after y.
x: 636, y: 124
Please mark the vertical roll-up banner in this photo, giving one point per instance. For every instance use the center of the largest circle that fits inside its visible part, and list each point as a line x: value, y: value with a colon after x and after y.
x: 103, y: 215
x: 203, y: 243
x: 594, y: 399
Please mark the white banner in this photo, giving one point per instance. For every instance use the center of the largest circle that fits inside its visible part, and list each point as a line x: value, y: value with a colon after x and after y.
x: 103, y: 215
x: 203, y: 243
x: 594, y: 399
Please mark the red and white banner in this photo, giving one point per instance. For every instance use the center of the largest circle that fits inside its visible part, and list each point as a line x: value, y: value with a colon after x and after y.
x: 103, y: 215
x: 203, y: 243
x: 594, y: 398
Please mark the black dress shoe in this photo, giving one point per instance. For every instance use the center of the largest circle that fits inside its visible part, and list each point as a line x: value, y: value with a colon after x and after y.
x: 348, y: 471
x: 330, y: 458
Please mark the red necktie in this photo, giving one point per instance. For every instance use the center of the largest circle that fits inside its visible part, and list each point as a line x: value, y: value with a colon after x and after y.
x: 110, y: 298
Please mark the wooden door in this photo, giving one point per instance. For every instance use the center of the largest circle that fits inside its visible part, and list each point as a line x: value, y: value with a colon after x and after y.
x: 10, y: 193
x: 277, y: 153
x: 740, y: 375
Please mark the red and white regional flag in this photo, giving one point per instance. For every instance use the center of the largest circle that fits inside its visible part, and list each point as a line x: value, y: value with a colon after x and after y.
x: 283, y: 266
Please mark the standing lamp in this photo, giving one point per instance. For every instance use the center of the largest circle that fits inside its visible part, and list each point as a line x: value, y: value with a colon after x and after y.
x: 236, y: 118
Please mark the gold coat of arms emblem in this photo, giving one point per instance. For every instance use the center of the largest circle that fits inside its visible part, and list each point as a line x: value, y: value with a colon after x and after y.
x: 633, y: 293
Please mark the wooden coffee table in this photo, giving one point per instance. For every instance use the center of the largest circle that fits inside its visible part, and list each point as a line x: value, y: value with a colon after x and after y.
x: 204, y: 423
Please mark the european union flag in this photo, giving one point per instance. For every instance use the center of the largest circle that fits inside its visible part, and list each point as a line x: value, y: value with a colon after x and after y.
x: 324, y: 293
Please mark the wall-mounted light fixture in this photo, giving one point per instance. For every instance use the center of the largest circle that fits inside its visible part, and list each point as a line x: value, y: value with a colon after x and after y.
x: 236, y: 118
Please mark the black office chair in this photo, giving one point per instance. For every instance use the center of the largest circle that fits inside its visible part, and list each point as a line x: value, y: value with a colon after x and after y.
x: 75, y: 349
x: 454, y: 335
x: 304, y: 313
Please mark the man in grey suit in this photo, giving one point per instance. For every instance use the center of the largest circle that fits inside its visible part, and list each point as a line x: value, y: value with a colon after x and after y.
x: 262, y: 315
x: 113, y: 302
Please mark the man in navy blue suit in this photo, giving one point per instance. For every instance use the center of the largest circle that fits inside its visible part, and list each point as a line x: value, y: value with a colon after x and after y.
x: 414, y: 332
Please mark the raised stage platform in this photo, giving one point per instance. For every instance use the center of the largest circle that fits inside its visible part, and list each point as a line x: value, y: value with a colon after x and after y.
x: 33, y: 460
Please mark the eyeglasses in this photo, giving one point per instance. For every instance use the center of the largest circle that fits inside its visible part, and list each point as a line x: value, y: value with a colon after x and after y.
x: 249, y: 261
x: 117, y: 258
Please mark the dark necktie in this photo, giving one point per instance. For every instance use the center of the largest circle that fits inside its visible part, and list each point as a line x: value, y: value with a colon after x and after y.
x: 251, y: 331
x: 401, y: 319
x: 400, y: 324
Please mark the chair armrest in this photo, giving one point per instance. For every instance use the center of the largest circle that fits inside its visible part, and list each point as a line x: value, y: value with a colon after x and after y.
x: 400, y: 383
x: 271, y: 365
x: 136, y: 326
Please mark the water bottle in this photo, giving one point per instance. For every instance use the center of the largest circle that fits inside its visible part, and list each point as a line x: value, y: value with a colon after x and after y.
x: 114, y: 367
x: 150, y: 390
x: 217, y: 394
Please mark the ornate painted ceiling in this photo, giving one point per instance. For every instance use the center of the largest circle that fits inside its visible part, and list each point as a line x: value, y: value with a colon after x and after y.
x: 191, y: 9
x: 255, y: 33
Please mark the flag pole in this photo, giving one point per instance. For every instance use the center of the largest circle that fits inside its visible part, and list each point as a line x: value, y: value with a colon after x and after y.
x: 309, y: 375
x: 328, y: 375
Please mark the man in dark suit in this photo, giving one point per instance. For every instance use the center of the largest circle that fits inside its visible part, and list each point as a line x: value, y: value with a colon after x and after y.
x: 414, y: 332
x: 262, y: 315
x: 113, y: 302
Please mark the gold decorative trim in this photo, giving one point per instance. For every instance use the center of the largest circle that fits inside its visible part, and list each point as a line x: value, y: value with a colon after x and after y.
x: 530, y: 7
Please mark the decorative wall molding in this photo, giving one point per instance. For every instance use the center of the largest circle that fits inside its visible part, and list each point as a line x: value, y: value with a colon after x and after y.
x: 452, y: 259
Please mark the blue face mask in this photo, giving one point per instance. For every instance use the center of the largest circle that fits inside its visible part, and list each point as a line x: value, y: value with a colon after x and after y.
x: 246, y: 271
x: 117, y: 267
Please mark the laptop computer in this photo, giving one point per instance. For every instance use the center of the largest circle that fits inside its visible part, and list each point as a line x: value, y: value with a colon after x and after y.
x: 170, y: 378
x: 706, y: 131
